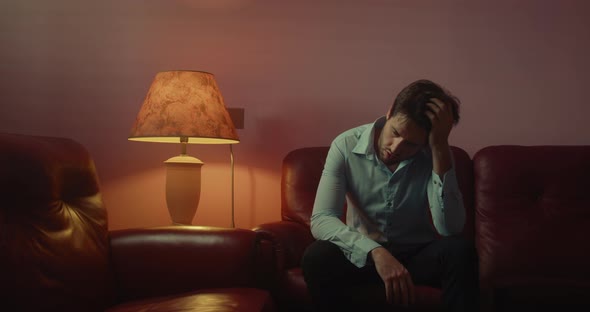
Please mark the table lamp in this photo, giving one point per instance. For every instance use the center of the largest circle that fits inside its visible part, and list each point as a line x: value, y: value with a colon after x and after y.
x: 184, y: 107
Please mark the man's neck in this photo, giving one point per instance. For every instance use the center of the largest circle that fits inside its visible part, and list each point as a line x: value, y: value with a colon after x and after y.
x: 393, y: 167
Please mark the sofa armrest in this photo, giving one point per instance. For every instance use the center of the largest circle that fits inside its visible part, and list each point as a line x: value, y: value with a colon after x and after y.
x: 290, y: 240
x: 166, y: 260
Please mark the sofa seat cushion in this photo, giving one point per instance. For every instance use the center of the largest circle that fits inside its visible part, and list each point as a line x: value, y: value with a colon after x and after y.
x: 541, y: 294
x: 427, y: 298
x: 219, y: 300
x: 294, y: 291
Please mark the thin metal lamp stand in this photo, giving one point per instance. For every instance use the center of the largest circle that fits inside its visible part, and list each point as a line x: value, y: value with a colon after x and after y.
x: 231, y: 153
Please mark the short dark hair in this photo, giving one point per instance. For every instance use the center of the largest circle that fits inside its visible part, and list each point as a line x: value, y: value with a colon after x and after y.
x: 411, y: 101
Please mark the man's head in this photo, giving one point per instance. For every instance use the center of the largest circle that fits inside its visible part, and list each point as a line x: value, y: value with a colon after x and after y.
x: 407, y: 127
x: 411, y: 102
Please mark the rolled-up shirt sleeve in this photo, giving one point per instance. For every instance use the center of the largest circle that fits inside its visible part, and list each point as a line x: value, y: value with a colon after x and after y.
x: 328, y: 209
x: 446, y: 203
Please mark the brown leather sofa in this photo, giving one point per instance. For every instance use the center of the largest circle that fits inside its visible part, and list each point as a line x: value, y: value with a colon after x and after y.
x: 528, y: 210
x: 56, y: 253
x: 532, y: 221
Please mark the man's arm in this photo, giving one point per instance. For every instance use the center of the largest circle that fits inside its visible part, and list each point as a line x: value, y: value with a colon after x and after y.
x: 444, y: 195
x: 328, y: 209
x: 327, y: 225
x: 446, y: 203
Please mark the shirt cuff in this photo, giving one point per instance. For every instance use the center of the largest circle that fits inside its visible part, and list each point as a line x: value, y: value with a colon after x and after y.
x: 450, y: 185
x: 361, y: 251
x: 447, y: 185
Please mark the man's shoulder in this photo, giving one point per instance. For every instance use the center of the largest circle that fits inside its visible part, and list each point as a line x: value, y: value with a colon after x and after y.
x: 351, y: 136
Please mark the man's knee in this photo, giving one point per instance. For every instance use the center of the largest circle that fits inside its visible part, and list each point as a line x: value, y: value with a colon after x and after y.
x: 460, y: 249
x: 320, y: 255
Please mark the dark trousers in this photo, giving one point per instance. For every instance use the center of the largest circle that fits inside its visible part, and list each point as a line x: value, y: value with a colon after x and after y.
x: 335, y: 284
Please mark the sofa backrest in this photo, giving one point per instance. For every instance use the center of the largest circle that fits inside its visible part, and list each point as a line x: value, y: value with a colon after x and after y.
x: 533, y: 215
x: 301, y: 172
x: 302, y: 169
x: 53, y: 227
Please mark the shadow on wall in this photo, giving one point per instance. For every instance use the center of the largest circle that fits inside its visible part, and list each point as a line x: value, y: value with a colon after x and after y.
x: 274, y: 131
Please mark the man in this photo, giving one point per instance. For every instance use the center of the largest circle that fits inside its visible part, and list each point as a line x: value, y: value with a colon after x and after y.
x: 404, y: 211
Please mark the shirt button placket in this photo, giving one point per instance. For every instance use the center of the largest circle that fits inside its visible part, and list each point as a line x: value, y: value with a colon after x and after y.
x: 389, y: 205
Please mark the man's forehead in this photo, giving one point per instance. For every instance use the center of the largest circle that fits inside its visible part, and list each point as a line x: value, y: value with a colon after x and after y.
x: 408, y: 129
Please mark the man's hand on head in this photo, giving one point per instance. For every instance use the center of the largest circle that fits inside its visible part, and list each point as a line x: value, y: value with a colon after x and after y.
x: 441, y: 119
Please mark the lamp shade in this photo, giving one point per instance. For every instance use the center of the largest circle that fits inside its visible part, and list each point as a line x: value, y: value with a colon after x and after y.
x: 184, y: 106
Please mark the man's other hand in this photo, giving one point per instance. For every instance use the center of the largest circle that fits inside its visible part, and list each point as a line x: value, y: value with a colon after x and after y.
x: 399, y: 288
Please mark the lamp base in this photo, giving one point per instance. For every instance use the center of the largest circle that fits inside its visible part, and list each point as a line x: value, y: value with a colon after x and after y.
x: 183, y: 188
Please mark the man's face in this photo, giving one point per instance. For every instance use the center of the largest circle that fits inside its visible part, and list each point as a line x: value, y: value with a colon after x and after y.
x: 400, y: 139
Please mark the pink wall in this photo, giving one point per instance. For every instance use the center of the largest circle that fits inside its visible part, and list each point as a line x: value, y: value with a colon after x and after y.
x: 303, y: 70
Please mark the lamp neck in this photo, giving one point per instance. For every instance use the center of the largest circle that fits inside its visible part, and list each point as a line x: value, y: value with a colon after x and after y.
x: 183, y: 144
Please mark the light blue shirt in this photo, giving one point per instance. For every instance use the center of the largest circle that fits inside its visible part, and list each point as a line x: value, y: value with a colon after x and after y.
x: 382, y: 206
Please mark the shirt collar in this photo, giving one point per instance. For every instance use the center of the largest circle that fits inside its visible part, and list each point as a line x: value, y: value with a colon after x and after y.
x: 365, y: 145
